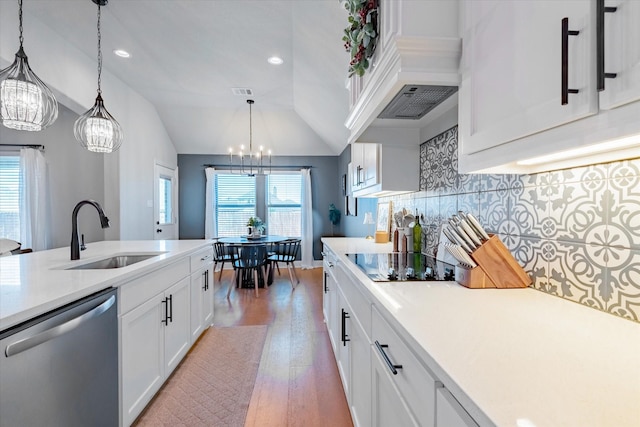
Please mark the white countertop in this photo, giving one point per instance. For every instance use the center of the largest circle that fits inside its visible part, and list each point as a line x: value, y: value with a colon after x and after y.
x: 515, y: 357
x: 35, y: 283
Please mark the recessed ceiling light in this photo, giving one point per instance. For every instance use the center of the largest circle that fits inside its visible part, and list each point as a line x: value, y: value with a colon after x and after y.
x: 122, y: 53
x: 275, y: 60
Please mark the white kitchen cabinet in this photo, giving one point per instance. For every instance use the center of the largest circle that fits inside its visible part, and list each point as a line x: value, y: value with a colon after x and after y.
x: 201, y: 292
x: 143, y: 354
x: 343, y: 348
x: 512, y: 69
x: 449, y: 413
x: 155, y: 333
x: 401, y: 385
x: 622, y: 54
x: 359, y: 371
x: 383, y: 169
x: 511, y: 106
x: 329, y: 296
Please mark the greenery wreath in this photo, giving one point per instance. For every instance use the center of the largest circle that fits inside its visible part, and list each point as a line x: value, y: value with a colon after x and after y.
x: 361, y: 36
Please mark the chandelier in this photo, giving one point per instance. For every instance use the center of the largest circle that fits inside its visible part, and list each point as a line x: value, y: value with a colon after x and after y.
x: 26, y: 103
x: 251, y: 163
x: 97, y: 130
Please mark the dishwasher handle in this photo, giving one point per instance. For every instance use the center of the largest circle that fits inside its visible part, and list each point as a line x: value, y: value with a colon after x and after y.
x: 34, y: 340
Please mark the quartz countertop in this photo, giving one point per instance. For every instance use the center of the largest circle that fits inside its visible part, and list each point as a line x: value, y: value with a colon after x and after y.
x: 514, y: 357
x: 35, y: 283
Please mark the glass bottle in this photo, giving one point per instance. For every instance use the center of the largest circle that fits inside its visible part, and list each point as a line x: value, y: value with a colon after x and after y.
x: 417, y: 235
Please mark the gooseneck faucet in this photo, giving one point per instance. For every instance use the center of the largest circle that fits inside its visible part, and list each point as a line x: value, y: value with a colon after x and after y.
x: 104, y: 223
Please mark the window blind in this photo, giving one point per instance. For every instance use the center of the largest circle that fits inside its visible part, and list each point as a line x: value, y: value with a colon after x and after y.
x: 284, y: 204
x: 10, y: 197
x: 236, y: 203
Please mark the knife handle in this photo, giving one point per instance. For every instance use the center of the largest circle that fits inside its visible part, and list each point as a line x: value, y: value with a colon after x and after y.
x: 476, y: 225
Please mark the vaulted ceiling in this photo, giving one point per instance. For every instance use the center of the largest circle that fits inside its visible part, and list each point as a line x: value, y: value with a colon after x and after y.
x: 187, y: 55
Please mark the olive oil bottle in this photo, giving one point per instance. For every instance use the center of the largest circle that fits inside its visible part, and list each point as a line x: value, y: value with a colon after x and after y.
x: 417, y: 235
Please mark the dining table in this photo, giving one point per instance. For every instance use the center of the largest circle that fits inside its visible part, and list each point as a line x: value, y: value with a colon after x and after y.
x: 254, y: 240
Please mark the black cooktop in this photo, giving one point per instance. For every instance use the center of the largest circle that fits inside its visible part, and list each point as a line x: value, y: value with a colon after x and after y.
x: 403, y: 266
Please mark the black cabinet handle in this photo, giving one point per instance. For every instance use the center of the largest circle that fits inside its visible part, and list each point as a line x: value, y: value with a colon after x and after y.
x: 358, y: 171
x: 345, y: 337
x: 393, y: 368
x: 166, y: 311
x: 159, y: 230
x: 326, y: 288
x: 205, y: 287
x: 565, y: 61
x: 601, y: 10
x: 170, y: 304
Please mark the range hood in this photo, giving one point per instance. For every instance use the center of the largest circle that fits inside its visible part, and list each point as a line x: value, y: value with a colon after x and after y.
x: 414, y: 101
x: 408, y: 80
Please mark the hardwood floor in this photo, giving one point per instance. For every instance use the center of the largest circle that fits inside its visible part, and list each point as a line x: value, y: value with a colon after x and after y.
x: 298, y: 382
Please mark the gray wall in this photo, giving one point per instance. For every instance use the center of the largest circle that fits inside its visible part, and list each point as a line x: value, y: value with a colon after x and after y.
x: 74, y: 174
x: 325, y: 186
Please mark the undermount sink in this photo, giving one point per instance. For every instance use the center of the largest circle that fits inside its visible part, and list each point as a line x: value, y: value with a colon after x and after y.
x: 116, y: 261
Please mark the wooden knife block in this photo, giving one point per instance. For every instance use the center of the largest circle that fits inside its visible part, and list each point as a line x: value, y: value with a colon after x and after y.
x: 497, y: 268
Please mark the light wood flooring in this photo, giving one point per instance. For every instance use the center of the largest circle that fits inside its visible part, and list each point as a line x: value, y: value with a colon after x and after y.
x: 298, y: 382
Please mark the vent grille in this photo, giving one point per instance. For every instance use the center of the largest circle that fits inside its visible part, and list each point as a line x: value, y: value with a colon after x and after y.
x: 242, y: 91
x: 414, y: 101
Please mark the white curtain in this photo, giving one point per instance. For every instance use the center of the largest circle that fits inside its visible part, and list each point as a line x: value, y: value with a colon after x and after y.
x: 307, y: 221
x: 210, y: 201
x: 35, y: 229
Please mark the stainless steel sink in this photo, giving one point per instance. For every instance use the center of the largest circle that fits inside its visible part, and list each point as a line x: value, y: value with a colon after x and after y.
x: 116, y: 261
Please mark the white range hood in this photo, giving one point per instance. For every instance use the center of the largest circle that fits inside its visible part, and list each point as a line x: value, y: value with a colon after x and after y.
x: 414, y: 69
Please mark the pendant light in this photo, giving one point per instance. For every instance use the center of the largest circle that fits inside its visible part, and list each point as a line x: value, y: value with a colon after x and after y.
x: 26, y: 103
x: 255, y: 164
x: 96, y: 129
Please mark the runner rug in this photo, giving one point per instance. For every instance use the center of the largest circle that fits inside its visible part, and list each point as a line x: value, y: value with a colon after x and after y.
x: 213, y: 384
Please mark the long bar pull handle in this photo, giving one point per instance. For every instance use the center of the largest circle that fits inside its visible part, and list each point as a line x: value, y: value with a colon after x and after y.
x: 166, y: 311
x: 326, y: 288
x: 565, y: 61
x: 170, y: 316
x: 393, y: 368
x: 49, y: 334
x: 206, y: 280
x: 601, y: 10
x: 345, y: 337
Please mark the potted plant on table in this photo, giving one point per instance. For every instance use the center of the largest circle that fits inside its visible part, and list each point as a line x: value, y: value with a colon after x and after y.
x: 255, y: 226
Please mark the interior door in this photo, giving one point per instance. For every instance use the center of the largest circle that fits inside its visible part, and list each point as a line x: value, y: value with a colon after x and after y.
x: 165, y: 203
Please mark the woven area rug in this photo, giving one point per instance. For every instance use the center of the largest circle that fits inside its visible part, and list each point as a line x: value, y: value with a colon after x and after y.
x: 213, y: 384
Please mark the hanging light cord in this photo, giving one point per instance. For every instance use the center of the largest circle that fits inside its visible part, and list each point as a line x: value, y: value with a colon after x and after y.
x: 20, y: 26
x: 250, y: 132
x: 99, y: 53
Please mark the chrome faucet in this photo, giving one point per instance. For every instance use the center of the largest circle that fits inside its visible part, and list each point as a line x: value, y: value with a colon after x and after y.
x: 104, y: 223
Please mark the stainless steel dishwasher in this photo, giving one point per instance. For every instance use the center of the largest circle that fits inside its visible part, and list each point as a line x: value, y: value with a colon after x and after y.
x: 61, y: 368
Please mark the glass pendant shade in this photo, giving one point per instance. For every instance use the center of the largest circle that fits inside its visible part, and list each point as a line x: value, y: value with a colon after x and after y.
x: 97, y: 130
x: 26, y: 103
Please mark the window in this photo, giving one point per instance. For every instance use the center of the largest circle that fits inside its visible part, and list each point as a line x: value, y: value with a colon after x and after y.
x: 236, y: 203
x: 284, y: 204
x: 10, y: 196
x: 164, y: 200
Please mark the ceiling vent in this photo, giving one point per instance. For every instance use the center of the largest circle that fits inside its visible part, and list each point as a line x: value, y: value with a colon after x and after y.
x: 242, y: 91
x: 414, y: 101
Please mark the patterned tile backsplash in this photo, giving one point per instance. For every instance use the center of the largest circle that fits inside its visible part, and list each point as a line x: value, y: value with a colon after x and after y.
x: 575, y: 231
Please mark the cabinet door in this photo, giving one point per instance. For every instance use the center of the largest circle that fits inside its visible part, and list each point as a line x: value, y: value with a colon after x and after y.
x: 357, y: 166
x: 176, y: 339
x: 142, y: 349
x: 197, y: 297
x: 343, y: 349
x: 207, y: 298
x: 331, y: 289
x: 389, y: 408
x: 360, y: 370
x: 449, y: 413
x: 512, y: 69
x: 622, y: 53
x: 370, y: 161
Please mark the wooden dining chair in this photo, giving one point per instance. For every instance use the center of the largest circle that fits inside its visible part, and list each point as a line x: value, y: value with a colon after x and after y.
x: 248, y: 259
x: 286, y: 252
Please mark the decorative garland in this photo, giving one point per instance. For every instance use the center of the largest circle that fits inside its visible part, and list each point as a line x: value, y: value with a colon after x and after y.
x: 361, y: 36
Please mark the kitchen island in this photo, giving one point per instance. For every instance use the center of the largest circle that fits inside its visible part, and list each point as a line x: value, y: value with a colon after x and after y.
x: 35, y: 283
x: 510, y: 357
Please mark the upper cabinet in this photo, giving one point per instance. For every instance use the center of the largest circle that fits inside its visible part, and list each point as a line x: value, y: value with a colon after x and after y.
x: 383, y: 169
x: 419, y: 45
x: 544, y: 77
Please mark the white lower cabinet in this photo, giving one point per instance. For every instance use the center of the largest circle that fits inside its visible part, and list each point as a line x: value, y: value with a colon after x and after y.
x: 201, y: 292
x: 389, y: 408
x: 161, y: 314
x: 449, y: 413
